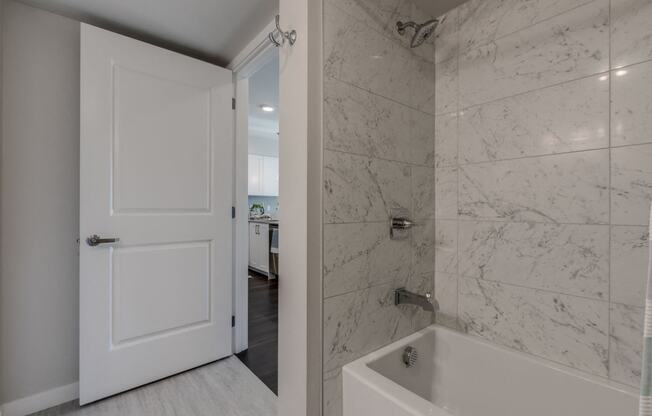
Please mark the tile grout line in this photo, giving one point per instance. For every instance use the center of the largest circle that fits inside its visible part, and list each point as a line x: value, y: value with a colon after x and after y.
x: 495, y: 161
x: 538, y: 22
x: 457, y: 160
x: 609, y: 350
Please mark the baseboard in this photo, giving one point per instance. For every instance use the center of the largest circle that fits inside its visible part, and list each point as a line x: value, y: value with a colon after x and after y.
x: 40, y: 401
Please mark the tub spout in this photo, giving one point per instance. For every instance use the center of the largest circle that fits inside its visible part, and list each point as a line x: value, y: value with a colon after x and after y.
x: 426, y: 302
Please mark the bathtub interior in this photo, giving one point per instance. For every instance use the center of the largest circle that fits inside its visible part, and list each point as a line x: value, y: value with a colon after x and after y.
x: 467, y: 376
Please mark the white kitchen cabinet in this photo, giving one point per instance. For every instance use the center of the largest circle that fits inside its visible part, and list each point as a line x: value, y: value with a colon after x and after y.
x: 263, y: 175
x: 255, y: 178
x: 259, y: 246
x: 270, y: 176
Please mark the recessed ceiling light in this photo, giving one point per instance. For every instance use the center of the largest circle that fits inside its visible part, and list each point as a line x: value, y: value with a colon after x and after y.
x: 621, y: 72
x: 604, y: 77
x: 267, y: 108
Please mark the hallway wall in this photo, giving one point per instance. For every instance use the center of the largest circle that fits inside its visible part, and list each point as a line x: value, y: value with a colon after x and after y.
x: 39, y: 208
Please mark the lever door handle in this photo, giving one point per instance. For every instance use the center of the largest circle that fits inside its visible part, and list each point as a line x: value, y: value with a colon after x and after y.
x: 95, y: 240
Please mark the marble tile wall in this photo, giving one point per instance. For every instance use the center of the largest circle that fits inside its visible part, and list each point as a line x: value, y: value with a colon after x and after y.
x: 379, y: 154
x: 543, y: 177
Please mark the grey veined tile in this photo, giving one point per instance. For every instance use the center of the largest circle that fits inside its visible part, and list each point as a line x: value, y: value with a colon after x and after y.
x: 631, y: 184
x: 568, y: 188
x: 631, y: 32
x: 360, y: 322
x: 566, y: 329
x: 377, y: 14
x: 359, y: 255
x: 333, y: 393
x: 356, y: 54
x: 446, y: 295
x: 632, y: 104
x: 446, y: 192
x: 629, y: 264
x: 423, y: 248
x: 359, y: 55
x: 569, y: 117
x: 357, y: 121
x: 569, y: 259
x: 358, y: 188
x: 446, y: 138
x: 626, y: 344
x: 446, y: 86
x: 446, y: 256
x: 423, y: 193
x: 484, y: 21
x: 563, y: 48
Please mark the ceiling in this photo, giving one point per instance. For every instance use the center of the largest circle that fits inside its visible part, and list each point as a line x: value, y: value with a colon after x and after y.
x: 438, y: 7
x: 263, y: 90
x: 212, y: 30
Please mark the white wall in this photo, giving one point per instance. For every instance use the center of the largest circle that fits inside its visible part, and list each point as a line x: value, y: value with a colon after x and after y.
x: 39, y: 202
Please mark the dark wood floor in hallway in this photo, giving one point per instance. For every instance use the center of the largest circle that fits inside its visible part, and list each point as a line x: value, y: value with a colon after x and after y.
x: 261, y: 357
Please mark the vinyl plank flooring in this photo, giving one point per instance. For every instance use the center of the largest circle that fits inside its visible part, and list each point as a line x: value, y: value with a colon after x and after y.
x: 262, y: 355
x: 223, y: 388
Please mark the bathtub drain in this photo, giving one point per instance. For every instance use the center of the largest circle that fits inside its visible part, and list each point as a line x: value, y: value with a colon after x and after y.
x: 410, y: 356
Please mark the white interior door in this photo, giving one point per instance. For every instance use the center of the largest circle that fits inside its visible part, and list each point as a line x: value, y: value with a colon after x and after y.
x: 156, y: 172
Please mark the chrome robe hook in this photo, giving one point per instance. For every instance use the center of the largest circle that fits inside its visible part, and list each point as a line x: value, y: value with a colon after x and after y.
x: 291, y: 35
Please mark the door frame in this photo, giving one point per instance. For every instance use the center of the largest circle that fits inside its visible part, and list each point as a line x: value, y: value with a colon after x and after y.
x: 254, y: 56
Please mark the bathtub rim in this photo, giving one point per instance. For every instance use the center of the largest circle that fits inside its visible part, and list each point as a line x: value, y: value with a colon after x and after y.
x: 412, y: 402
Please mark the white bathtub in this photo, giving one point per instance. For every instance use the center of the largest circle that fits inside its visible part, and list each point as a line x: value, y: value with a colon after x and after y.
x: 460, y: 375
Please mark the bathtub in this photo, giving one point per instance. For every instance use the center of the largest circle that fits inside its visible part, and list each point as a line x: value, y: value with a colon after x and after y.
x: 460, y: 375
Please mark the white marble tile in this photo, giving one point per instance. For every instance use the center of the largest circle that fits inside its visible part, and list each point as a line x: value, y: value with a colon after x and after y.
x: 446, y: 138
x: 359, y: 255
x: 363, y: 57
x: 631, y: 98
x: 377, y: 14
x: 423, y: 248
x: 569, y: 117
x: 626, y: 344
x: 446, y: 192
x: 447, y: 36
x: 423, y: 193
x: 357, y: 121
x: 483, y: 21
x: 570, y: 188
x: 569, y: 259
x: 629, y: 264
x: 357, y: 188
x: 631, y: 184
x: 360, y: 122
x: 423, y: 86
x: 446, y: 256
x: 360, y: 322
x: 631, y: 32
x: 566, y: 329
x: 446, y: 295
x: 332, y: 391
x: 422, y: 138
x: 566, y: 47
x: 446, y: 86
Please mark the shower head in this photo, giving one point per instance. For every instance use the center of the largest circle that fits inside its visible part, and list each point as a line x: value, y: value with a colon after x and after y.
x: 421, y: 31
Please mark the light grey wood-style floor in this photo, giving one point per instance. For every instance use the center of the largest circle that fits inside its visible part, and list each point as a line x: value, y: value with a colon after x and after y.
x: 223, y: 388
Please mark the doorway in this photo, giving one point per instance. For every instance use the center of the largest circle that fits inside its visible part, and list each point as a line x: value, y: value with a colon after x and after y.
x: 262, y: 231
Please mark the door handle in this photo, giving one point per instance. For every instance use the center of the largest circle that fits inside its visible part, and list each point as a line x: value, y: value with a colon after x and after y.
x: 95, y: 240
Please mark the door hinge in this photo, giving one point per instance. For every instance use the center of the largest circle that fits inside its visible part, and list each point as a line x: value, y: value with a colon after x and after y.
x: 232, y: 212
x: 233, y: 103
x: 232, y: 321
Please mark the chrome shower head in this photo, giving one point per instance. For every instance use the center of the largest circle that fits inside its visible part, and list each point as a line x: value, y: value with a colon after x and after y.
x: 421, y: 31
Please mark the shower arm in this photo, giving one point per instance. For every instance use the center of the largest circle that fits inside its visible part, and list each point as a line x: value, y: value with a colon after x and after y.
x: 401, y: 26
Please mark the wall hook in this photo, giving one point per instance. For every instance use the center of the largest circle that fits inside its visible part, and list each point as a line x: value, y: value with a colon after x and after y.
x: 291, y: 35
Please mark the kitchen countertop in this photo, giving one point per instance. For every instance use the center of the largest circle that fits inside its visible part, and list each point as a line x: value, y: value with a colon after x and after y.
x: 263, y: 221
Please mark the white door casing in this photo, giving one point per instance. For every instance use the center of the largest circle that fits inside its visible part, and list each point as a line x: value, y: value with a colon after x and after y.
x: 156, y: 171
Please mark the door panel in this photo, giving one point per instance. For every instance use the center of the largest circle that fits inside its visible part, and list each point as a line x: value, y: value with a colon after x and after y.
x: 156, y: 172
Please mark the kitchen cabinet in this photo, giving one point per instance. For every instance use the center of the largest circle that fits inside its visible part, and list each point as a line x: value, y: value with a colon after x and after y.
x: 263, y: 175
x: 259, y: 246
